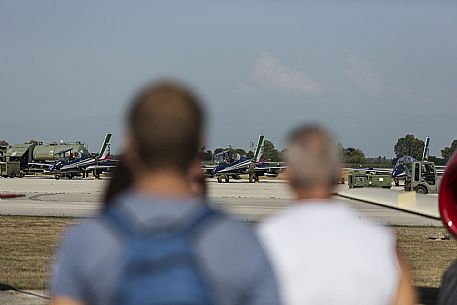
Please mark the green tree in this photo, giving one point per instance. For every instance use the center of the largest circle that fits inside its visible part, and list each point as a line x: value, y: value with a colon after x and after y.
x: 354, y: 156
x: 447, y: 152
x: 250, y: 154
x: 208, y: 155
x: 409, y: 146
x: 240, y: 151
x: 3, y: 143
x: 283, y: 154
x: 437, y: 161
x: 270, y: 153
x: 33, y: 141
x: 218, y: 150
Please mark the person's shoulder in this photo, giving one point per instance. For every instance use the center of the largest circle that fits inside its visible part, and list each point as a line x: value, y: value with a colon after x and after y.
x: 232, y: 225
x: 329, y: 215
x: 228, y: 231
x: 88, y: 233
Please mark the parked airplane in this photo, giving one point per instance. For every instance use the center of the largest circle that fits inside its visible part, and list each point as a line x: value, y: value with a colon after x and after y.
x: 398, y: 172
x: 70, y: 167
x: 234, y: 165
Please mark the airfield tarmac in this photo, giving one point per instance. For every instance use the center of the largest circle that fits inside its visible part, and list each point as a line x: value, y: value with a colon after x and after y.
x: 249, y: 202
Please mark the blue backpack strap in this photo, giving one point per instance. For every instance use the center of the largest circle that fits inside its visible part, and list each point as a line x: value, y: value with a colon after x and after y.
x: 115, y: 216
x: 204, y: 214
x: 119, y: 220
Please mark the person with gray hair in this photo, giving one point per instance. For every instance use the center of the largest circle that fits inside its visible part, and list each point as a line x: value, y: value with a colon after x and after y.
x: 322, y: 251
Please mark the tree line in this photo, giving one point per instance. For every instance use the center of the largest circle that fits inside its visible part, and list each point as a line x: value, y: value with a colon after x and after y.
x: 270, y: 153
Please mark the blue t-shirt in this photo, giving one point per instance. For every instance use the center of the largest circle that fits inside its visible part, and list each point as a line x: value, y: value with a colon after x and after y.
x: 232, y: 260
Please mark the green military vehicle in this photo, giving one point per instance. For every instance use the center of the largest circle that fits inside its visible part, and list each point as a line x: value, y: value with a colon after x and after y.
x: 34, y: 156
x: 10, y: 169
x: 362, y: 178
x: 421, y: 177
x: 3, y: 149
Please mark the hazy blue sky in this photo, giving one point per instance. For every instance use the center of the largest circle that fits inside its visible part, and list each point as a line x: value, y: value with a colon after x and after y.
x: 370, y: 71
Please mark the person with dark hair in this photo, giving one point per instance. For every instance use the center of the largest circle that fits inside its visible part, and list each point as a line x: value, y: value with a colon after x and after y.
x: 122, y: 180
x: 157, y: 242
x: 321, y: 250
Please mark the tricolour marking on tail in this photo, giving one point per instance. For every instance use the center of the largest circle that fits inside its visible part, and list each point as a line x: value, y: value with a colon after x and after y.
x: 425, y: 153
x: 104, y: 150
x: 258, y: 156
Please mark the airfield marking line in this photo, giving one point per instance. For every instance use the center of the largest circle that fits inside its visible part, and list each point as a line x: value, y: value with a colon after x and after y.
x: 388, y: 206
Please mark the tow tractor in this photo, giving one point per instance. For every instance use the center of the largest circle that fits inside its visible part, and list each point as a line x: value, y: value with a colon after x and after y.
x: 421, y: 177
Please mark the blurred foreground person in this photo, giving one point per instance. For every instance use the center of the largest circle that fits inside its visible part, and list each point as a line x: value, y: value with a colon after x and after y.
x: 158, y: 242
x: 448, y: 210
x: 321, y: 251
x: 120, y: 182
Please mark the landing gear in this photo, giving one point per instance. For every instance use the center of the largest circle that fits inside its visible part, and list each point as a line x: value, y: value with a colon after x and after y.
x: 397, y: 183
x: 253, y: 178
x: 225, y: 177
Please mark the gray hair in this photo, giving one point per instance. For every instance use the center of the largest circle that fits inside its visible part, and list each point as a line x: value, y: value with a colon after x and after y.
x: 312, y: 157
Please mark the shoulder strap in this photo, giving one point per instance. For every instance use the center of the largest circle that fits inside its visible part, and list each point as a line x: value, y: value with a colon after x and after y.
x: 121, y: 222
x: 115, y: 217
x: 203, y: 214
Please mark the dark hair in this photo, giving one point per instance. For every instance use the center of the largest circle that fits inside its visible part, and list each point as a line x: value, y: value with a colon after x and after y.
x: 121, y: 180
x: 166, y: 123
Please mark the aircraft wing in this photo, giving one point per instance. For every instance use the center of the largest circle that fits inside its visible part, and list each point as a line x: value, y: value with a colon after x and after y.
x: 258, y: 168
x: 102, y: 167
x: 78, y: 164
x: 91, y: 164
x: 41, y: 164
x: 234, y: 167
x: 208, y: 167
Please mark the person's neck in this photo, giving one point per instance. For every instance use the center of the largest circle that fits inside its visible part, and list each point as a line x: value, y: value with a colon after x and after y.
x: 322, y: 193
x: 167, y: 183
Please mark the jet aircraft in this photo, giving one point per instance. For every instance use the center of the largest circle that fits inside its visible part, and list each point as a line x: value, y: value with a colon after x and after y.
x: 69, y: 167
x: 234, y: 165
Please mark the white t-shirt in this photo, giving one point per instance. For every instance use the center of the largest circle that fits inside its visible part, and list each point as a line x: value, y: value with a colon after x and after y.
x: 324, y: 253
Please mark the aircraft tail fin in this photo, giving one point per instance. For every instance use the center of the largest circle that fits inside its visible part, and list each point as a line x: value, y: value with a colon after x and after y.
x: 104, y: 150
x: 258, y: 156
x: 426, y: 152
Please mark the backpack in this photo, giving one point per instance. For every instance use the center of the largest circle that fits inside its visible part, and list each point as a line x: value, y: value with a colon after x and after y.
x: 448, y: 291
x: 159, y: 267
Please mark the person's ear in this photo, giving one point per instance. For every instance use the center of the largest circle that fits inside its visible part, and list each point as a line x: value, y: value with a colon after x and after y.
x: 195, y: 168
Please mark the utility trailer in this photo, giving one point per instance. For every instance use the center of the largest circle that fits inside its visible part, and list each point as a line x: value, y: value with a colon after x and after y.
x: 358, y: 179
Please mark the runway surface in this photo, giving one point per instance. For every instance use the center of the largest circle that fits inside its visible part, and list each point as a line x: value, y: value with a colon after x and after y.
x: 249, y: 202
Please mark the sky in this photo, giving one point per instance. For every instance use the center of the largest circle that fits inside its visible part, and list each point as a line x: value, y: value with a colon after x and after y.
x: 370, y: 71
